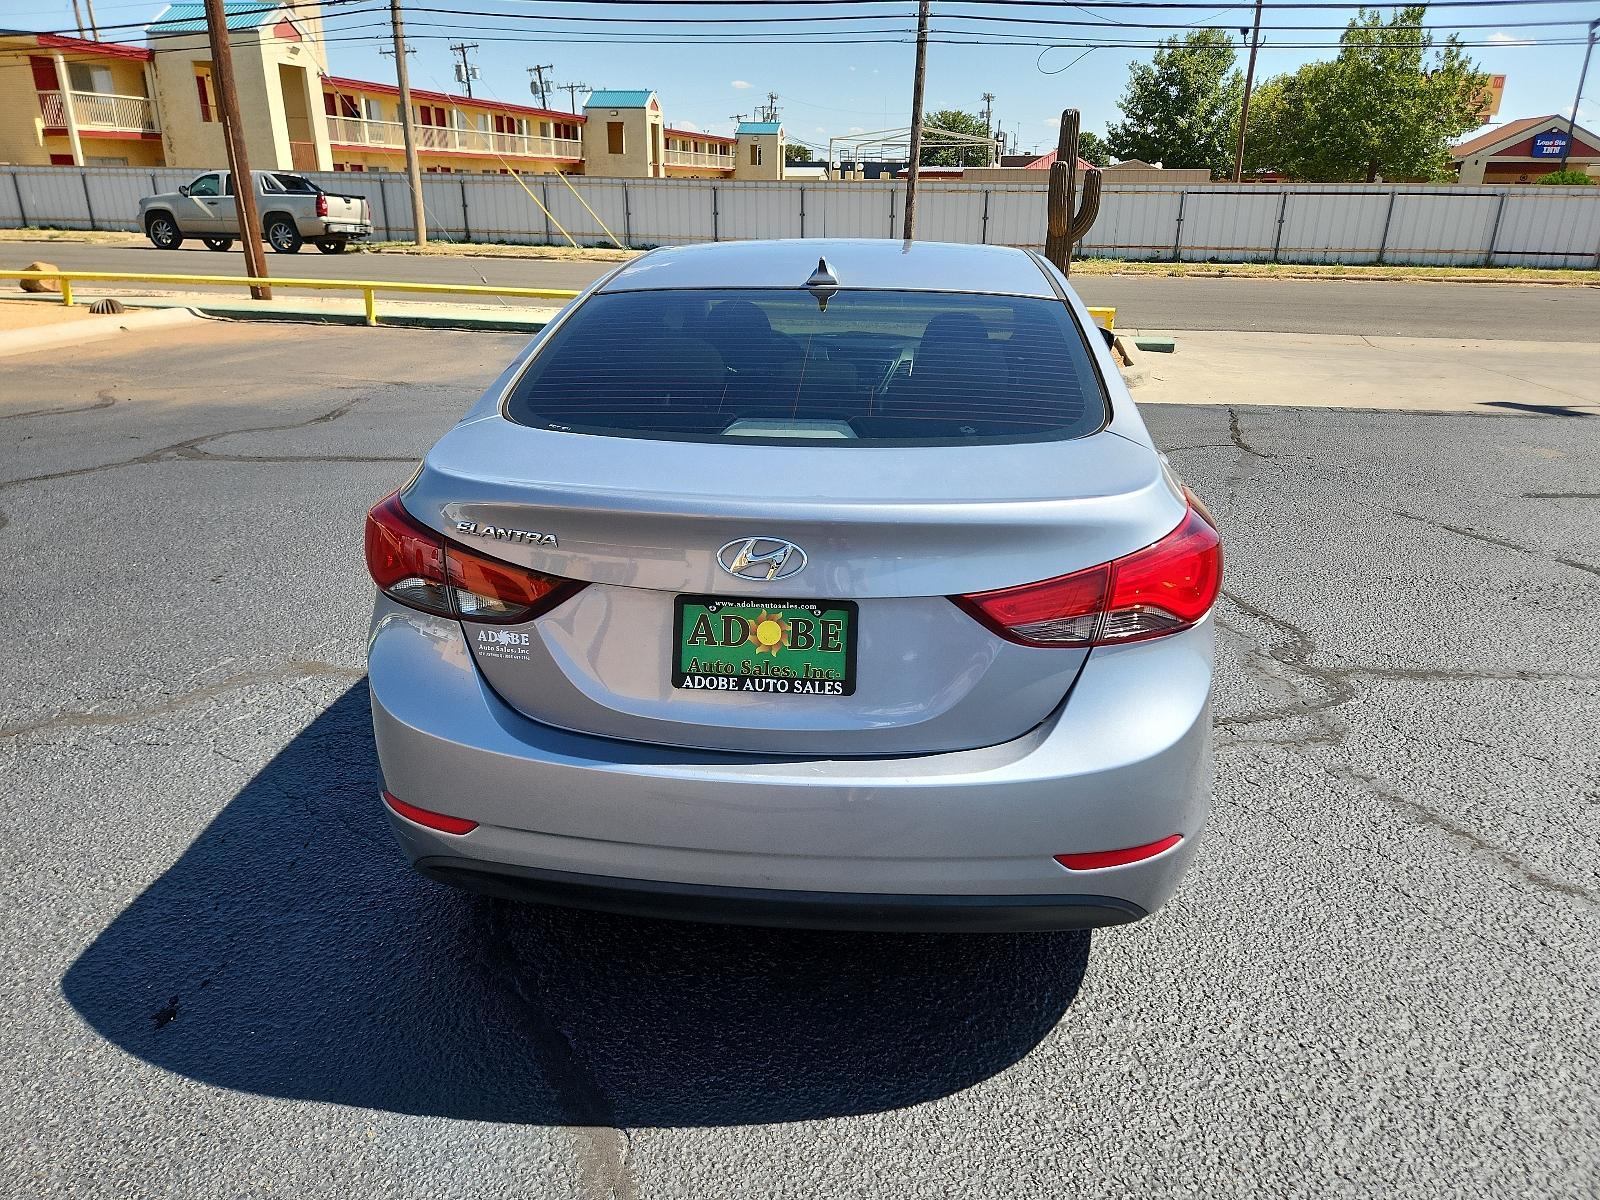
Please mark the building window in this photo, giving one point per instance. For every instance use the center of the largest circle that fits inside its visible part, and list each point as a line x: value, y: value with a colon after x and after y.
x: 202, y: 87
x: 374, y: 109
x: 90, y: 77
x: 755, y: 154
x: 614, y: 143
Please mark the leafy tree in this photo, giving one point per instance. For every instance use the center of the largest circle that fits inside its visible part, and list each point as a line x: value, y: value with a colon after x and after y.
x: 1092, y: 148
x: 955, y: 121
x: 1182, y: 107
x: 1567, y: 178
x: 794, y: 152
x: 1390, y: 104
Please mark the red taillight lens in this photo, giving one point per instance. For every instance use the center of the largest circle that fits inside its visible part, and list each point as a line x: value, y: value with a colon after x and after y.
x: 1097, y: 860
x: 322, y: 205
x: 1161, y: 589
x: 414, y: 565
x: 426, y: 816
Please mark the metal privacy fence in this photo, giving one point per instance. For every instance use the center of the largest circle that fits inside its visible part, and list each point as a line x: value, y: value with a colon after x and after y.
x: 1402, y: 225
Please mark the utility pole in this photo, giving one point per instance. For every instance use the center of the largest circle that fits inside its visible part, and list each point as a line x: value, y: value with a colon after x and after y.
x: 572, y: 90
x: 77, y: 17
x: 419, y: 217
x: 541, y: 89
x: 244, y: 183
x: 988, y: 122
x: 465, y: 71
x: 916, y: 117
x: 1582, y: 76
x: 1244, y: 107
x: 94, y: 25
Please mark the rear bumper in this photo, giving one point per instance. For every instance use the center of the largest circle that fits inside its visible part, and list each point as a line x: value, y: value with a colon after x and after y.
x: 349, y: 229
x: 955, y: 840
x: 783, y: 908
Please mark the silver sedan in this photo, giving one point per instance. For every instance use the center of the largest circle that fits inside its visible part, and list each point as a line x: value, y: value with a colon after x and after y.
x: 813, y: 583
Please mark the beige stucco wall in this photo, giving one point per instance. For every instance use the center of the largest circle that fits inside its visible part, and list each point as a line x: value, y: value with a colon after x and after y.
x: 20, y: 124
x: 771, y: 164
x: 639, y: 157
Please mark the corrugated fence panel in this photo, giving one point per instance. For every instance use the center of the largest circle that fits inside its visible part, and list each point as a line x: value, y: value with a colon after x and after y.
x: 1526, y: 226
x: 1550, y: 227
x: 670, y: 212
x: 1325, y: 227
x: 1016, y: 216
x: 1237, y: 226
x: 1441, y: 228
x: 1134, y: 222
x: 950, y: 214
x: 754, y: 210
x: 870, y: 210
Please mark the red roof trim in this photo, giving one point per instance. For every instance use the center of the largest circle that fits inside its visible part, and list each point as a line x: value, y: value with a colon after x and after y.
x: 338, y: 83
x: 105, y: 49
x: 703, y: 137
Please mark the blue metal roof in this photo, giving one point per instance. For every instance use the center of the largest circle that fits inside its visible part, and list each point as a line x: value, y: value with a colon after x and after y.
x: 191, y: 18
x: 619, y: 99
x: 759, y: 127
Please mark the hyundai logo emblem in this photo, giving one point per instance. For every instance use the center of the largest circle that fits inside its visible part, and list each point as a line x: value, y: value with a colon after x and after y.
x: 762, y: 559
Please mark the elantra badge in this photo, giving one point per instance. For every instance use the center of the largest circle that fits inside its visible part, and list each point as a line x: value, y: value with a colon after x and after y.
x: 762, y: 559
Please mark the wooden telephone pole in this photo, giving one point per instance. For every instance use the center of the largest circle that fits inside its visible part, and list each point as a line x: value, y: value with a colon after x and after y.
x: 419, y: 217
x: 1249, y: 86
x: 916, y: 118
x: 244, y: 183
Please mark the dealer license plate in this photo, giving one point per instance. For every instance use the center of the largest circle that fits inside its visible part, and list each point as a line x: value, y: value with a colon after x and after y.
x: 767, y: 647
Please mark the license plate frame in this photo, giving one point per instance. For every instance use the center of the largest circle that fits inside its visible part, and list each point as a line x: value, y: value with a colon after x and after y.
x: 753, y: 680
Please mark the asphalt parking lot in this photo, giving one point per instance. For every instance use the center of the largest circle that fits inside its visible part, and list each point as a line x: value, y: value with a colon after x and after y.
x: 217, y: 977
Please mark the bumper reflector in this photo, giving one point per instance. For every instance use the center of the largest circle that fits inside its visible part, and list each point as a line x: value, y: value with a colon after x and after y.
x: 1097, y: 859
x: 432, y: 820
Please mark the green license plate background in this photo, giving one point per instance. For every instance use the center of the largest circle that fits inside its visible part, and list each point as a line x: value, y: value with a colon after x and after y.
x: 807, y: 648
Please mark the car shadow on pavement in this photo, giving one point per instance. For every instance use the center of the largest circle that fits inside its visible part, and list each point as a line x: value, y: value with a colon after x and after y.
x: 290, y: 952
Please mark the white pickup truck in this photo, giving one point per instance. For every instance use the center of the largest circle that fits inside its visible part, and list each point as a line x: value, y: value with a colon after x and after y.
x: 293, y: 211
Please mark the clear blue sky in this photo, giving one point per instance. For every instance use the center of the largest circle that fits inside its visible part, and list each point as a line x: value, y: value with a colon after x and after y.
x: 836, y: 89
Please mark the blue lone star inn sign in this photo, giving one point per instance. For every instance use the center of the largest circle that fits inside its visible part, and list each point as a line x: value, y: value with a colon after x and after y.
x: 1550, y: 144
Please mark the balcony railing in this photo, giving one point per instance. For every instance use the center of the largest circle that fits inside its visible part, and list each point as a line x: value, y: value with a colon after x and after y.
x: 387, y: 135
x: 695, y: 158
x: 101, y: 110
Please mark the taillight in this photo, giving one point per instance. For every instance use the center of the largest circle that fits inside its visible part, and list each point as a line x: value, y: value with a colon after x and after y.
x: 414, y: 565
x: 322, y: 205
x: 1161, y: 589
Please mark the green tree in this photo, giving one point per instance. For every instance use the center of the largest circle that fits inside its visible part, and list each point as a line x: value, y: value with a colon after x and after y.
x: 954, y: 120
x: 1092, y: 148
x: 1182, y: 107
x: 1389, y: 105
x: 794, y: 152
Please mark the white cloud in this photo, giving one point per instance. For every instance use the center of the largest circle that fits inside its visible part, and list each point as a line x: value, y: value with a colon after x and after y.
x: 1506, y: 39
x: 741, y: 84
x: 857, y: 129
x: 689, y: 127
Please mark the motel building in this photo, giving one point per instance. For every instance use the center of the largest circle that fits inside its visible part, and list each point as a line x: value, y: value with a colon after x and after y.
x: 1522, y: 151
x: 75, y: 102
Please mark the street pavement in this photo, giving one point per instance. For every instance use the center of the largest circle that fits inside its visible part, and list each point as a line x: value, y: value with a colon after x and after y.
x: 217, y: 977
x: 1401, y: 309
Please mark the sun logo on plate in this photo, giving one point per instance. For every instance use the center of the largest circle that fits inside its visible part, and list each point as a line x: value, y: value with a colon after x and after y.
x: 769, y: 633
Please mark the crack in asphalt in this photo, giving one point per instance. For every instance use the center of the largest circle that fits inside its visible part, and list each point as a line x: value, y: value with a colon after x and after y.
x: 191, y: 447
x: 603, y: 1148
x: 1236, y: 432
x: 89, y: 720
x: 1491, y: 540
x: 1294, y: 652
x: 106, y: 400
x: 1561, y: 495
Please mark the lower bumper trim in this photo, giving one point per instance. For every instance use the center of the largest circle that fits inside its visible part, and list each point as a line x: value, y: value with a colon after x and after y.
x: 783, y: 908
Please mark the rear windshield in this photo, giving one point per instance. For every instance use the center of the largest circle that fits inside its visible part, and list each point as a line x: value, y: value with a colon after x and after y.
x: 869, y: 367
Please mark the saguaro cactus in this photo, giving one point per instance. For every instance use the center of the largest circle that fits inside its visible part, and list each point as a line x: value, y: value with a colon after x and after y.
x: 1065, y: 228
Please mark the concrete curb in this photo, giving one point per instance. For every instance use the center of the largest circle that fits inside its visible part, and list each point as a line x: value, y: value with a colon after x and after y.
x: 390, y: 316
x: 1137, y: 372
x: 76, y: 333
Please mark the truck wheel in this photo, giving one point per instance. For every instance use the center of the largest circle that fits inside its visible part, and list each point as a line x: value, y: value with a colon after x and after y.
x: 163, y: 232
x: 218, y: 243
x: 282, y: 234
x: 334, y: 245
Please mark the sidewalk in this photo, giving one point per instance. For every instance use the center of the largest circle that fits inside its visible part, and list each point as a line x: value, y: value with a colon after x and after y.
x: 296, y: 305
x: 1359, y: 371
